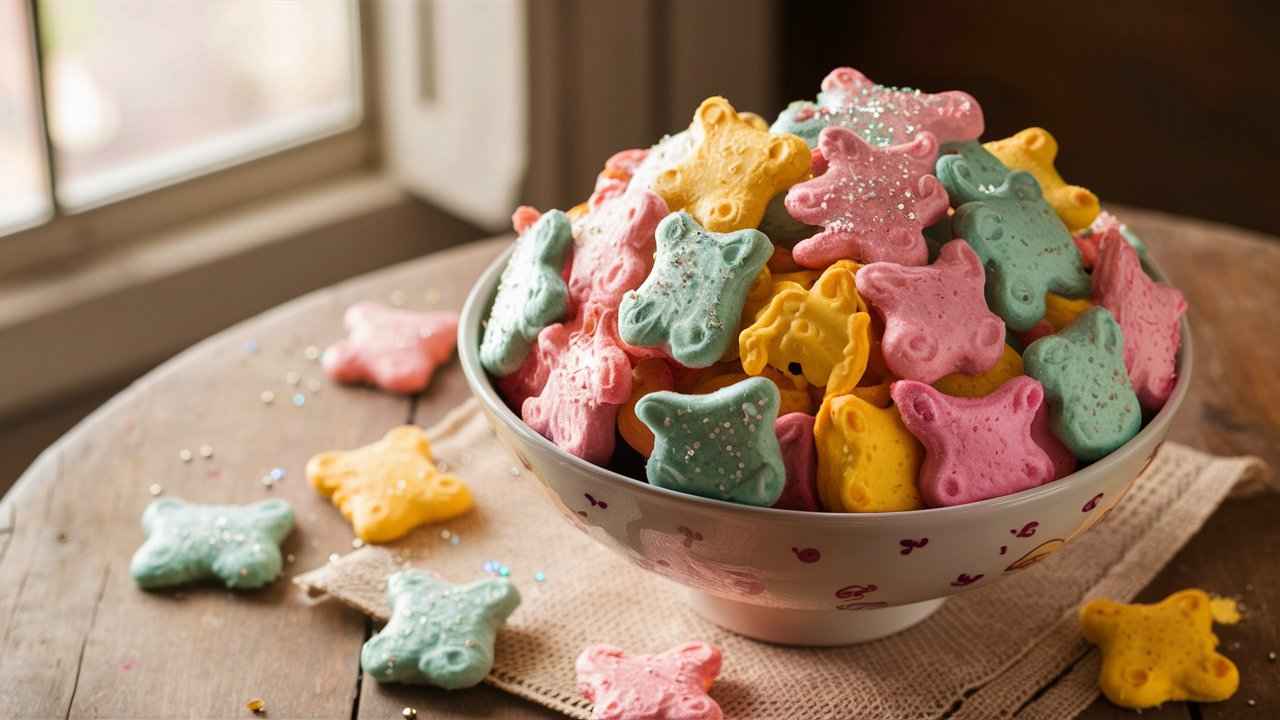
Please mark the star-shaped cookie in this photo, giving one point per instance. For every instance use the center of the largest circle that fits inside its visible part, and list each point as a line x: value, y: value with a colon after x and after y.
x: 531, y: 293
x: 1034, y: 151
x: 396, y: 350
x: 720, y: 445
x: 1152, y: 654
x: 1092, y: 407
x: 668, y: 686
x: 236, y: 544
x: 439, y: 634
x: 734, y: 169
x: 589, y: 378
x: 936, y: 320
x: 975, y: 448
x: 873, y: 202
x: 1025, y: 248
x: 820, y: 334
x: 390, y: 487
x: 867, y: 459
x: 882, y: 115
x: 691, y: 303
x: 1149, y: 314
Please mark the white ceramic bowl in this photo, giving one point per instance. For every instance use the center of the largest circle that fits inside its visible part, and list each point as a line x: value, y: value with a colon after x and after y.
x: 803, y: 578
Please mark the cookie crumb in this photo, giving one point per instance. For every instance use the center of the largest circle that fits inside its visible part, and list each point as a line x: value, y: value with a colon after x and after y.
x: 409, y: 713
x: 257, y: 706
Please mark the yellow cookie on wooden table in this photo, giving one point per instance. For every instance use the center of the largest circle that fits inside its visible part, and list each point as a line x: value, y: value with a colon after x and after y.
x: 390, y: 487
x: 1034, y: 150
x: 1009, y: 366
x: 867, y: 459
x: 1152, y: 654
x: 733, y: 171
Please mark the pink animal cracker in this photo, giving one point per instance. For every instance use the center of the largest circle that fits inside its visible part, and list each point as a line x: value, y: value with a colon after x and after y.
x: 873, y: 203
x: 1148, y: 313
x: 800, y: 458
x: 396, y: 350
x: 975, y: 448
x: 525, y: 382
x: 614, y: 247
x: 1064, y: 463
x: 889, y: 116
x: 524, y: 217
x: 588, y: 378
x: 668, y: 686
x: 936, y: 317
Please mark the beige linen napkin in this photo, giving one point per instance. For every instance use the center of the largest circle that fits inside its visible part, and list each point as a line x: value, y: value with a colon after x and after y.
x: 988, y: 652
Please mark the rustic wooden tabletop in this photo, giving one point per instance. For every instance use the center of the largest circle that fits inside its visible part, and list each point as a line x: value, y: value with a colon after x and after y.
x: 78, y: 639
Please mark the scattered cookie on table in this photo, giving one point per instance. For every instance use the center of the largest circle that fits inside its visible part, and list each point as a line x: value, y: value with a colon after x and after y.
x: 720, y: 445
x: 389, y: 487
x: 531, y: 293
x: 236, y: 544
x: 439, y: 634
x: 396, y: 350
x: 1152, y: 654
x: 671, y: 685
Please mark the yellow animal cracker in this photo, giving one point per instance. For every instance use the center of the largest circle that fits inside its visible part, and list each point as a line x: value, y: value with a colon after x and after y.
x: 1034, y: 150
x: 793, y: 393
x: 647, y: 376
x: 867, y: 459
x: 735, y: 168
x: 1061, y: 311
x: 1152, y: 654
x: 1009, y: 366
x: 822, y: 333
x: 390, y: 487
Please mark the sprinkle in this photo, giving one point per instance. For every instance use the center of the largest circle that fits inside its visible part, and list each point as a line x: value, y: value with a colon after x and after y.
x: 357, y: 543
x: 299, y: 399
x: 455, y: 540
x: 155, y: 489
x: 292, y: 377
x: 333, y: 557
x: 257, y: 706
x: 408, y: 713
x: 540, y: 576
x: 206, y: 451
x: 515, y: 471
x: 277, y: 474
x: 311, y: 352
x: 185, y: 455
x: 268, y: 482
x: 267, y: 397
x: 504, y: 571
x: 444, y: 534
x: 251, y: 346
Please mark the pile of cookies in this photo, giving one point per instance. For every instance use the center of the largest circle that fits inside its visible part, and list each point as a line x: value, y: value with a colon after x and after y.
x: 861, y: 308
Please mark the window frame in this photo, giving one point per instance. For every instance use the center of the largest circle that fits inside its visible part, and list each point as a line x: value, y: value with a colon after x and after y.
x: 73, y: 236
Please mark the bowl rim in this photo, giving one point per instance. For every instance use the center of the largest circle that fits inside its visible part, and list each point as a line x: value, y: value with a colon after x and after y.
x: 481, y: 295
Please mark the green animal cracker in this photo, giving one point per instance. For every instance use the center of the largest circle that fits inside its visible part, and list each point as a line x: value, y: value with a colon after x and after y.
x: 970, y: 173
x: 692, y: 301
x: 1092, y: 407
x: 720, y: 445
x: 531, y: 294
x: 1024, y: 247
x: 439, y: 634
x: 237, y: 544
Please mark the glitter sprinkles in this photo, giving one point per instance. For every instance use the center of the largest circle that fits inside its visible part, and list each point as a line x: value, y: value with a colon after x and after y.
x: 267, y: 397
x: 185, y: 455
x: 497, y: 569
x: 299, y: 399
x: 311, y: 353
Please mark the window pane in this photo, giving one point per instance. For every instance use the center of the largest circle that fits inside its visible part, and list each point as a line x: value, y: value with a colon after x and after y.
x: 23, y: 196
x: 146, y: 92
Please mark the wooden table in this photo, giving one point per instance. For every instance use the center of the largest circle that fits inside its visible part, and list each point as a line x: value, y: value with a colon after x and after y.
x: 77, y: 639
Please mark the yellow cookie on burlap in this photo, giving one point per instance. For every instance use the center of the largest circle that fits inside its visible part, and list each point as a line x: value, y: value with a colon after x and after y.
x: 390, y: 487
x: 1152, y: 654
x: 867, y: 459
x: 1034, y: 150
x: 733, y: 171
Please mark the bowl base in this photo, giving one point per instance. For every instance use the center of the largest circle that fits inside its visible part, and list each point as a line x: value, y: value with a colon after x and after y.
x: 826, y: 628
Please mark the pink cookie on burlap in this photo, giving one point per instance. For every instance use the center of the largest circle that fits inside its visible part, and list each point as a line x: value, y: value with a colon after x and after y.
x: 589, y: 378
x: 1148, y: 313
x: 873, y: 202
x: 975, y: 448
x: 396, y: 350
x: 936, y: 317
x: 668, y: 686
x: 897, y: 114
x: 800, y: 458
x: 614, y: 247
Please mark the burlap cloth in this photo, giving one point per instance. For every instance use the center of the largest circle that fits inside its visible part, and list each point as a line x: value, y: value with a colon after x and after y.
x: 987, y: 653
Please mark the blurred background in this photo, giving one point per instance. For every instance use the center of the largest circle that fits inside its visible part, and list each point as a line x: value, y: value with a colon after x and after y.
x: 171, y: 167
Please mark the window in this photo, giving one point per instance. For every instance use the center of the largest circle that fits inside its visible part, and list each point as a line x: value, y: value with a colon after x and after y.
x: 120, y: 98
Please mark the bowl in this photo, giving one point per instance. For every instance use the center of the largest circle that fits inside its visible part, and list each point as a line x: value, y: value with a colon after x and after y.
x: 801, y: 578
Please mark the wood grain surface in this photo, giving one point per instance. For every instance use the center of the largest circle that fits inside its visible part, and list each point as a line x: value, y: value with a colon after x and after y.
x: 77, y: 639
